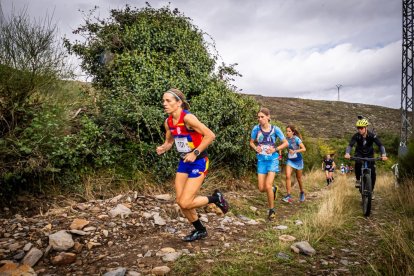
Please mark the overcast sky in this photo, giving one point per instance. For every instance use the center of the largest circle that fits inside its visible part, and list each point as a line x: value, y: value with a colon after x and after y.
x: 284, y: 48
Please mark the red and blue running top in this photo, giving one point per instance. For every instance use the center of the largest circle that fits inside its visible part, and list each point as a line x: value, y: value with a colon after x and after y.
x: 185, y: 139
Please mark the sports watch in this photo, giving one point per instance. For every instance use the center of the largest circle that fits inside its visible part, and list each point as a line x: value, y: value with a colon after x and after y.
x: 196, y: 152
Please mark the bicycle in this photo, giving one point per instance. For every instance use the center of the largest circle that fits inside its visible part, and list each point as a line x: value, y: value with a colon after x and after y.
x: 366, y: 183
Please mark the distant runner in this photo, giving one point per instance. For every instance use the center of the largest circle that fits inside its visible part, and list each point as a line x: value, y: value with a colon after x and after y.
x: 328, y: 165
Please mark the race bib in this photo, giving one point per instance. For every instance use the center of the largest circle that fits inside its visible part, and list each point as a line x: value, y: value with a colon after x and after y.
x: 292, y: 156
x: 182, y: 144
x: 328, y: 166
x: 264, y: 149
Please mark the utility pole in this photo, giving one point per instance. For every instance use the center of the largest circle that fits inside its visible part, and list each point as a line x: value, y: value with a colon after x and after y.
x: 407, y: 77
x: 338, y: 86
x: 2, y: 20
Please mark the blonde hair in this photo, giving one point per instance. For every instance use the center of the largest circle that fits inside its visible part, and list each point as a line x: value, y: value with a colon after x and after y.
x: 179, y: 96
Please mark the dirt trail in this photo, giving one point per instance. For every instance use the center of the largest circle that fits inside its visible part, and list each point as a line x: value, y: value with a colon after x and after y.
x: 150, y: 237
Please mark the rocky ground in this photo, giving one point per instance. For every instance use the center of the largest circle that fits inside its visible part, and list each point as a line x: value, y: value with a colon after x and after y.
x: 133, y: 234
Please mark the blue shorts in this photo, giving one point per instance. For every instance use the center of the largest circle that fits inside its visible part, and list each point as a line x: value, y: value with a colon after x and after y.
x: 296, y: 164
x: 194, y: 169
x: 265, y: 166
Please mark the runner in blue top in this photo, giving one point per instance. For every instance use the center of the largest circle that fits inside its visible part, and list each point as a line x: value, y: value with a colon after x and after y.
x: 262, y: 140
x: 294, y: 161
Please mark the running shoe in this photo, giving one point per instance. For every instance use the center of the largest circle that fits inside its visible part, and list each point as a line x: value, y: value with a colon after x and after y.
x: 271, y: 214
x: 302, y: 197
x: 287, y: 199
x: 222, y: 204
x: 195, y: 235
x: 357, y: 184
x: 275, y: 190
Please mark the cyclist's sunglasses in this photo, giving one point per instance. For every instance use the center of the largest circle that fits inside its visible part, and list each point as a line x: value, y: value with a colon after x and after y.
x: 360, y: 127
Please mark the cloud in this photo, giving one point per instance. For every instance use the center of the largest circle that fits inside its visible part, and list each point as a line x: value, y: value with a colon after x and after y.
x: 284, y: 47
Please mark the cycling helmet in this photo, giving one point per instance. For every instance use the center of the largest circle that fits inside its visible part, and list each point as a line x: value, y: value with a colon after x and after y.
x: 362, y: 123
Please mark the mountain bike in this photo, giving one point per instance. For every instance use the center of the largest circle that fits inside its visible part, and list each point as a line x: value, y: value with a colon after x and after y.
x: 366, y: 183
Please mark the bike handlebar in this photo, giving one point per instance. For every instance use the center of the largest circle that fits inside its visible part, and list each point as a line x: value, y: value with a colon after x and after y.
x: 369, y: 159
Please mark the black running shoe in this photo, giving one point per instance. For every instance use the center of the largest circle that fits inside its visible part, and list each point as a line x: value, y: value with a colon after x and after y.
x: 222, y: 204
x: 271, y: 215
x: 195, y: 235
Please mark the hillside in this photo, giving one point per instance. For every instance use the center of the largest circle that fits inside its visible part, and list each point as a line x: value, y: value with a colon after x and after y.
x: 327, y: 119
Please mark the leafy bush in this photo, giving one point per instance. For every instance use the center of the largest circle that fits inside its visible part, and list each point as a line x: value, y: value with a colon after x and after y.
x: 231, y: 116
x: 406, y: 164
x: 134, y: 56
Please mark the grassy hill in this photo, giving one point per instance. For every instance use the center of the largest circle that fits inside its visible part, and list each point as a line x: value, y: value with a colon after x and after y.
x: 329, y: 119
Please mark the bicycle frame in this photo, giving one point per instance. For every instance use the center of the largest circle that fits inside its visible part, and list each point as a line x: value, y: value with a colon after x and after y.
x: 366, y: 192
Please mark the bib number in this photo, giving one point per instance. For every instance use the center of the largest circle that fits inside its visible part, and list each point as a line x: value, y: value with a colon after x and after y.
x: 182, y: 144
x: 292, y: 156
x: 264, y: 149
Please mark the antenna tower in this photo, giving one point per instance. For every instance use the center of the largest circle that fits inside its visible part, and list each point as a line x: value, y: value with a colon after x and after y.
x: 407, y: 76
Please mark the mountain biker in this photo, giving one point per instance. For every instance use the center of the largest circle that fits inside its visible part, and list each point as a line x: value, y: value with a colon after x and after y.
x: 191, y: 138
x: 364, y: 140
x: 262, y: 140
x: 328, y: 165
x: 294, y: 161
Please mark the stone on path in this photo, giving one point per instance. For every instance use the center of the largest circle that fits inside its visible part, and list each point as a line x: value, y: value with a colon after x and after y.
x: 161, y: 270
x: 115, y: 199
x: 120, y: 210
x: 78, y: 224
x: 158, y: 220
x: 61, y: 241
x: 32, y: 257
x: 283, y: 256
x: 287, y: 238
x: 303, y: 247
x: 281, y: 227
x: 11, y: 268
x: 171, y: 257
x: 117, y: 272
x: 165, y: 197
x: 64, y: 258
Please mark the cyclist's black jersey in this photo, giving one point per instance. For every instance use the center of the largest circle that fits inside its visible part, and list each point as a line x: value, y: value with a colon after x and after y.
x: 328, y: 164
x: 364, y: 146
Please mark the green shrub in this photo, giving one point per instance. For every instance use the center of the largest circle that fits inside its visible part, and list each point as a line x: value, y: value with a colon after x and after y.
x: 406, y: 164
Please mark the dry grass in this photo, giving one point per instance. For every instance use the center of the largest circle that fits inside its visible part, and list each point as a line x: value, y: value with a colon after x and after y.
x: 313, y: 110
x: 398, y: 235
x: 332, y: 211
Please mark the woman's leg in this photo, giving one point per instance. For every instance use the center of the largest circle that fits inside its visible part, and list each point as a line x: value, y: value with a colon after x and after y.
x: 189, y: 200
x: 288, y: 178
x: 299, y: 178
x: 180, y: 181
x: 269, y: 189
x: 261, y: 182
x: 328, y: 178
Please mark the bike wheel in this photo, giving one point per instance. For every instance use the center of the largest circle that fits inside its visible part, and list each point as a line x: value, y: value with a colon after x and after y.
x: 366, y: 195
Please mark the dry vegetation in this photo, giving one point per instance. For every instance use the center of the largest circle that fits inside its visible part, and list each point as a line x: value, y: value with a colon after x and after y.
x: 329, y: 119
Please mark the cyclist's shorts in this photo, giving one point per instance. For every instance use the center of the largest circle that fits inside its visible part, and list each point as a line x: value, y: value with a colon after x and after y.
x: 329, y: 169
x: 265, y: 166
x: 194, y: 169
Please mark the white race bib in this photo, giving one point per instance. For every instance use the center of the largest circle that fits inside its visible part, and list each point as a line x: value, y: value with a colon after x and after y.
x: 292, y: 156
x: 182, y: 144
x: 264, y: 149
